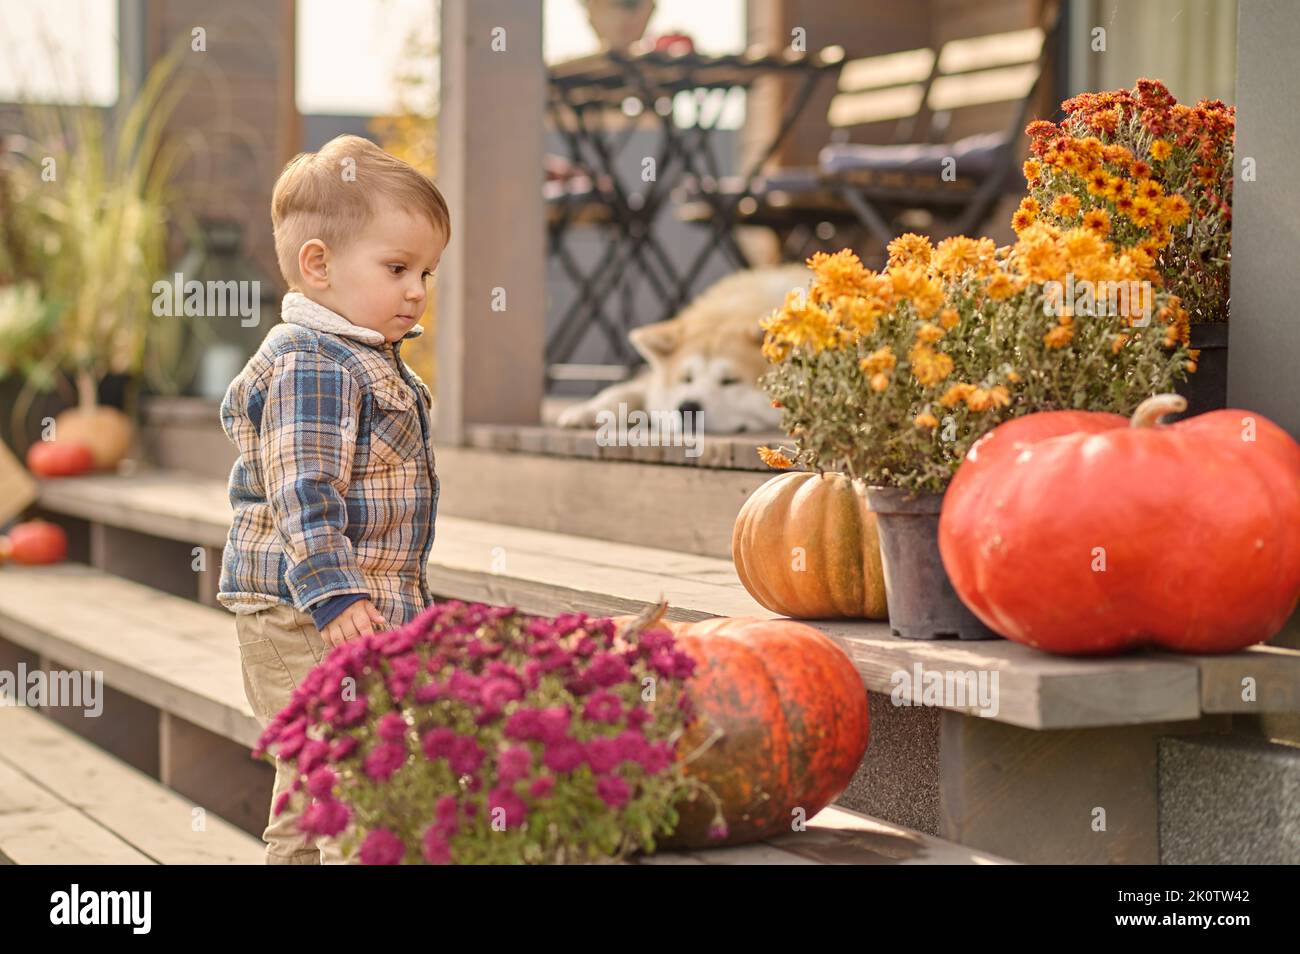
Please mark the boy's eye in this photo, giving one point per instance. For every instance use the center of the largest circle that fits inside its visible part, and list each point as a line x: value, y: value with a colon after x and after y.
x: 397, y: 269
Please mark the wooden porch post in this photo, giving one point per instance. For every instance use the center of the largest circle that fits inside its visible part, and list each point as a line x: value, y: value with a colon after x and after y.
x: 1265, y: 332
x: 491, y: 284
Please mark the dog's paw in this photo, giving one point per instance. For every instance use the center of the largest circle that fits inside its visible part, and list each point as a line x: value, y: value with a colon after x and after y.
x: 579, y: 415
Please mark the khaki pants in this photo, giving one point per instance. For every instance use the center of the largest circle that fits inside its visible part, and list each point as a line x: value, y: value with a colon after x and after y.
x: 277, y: 648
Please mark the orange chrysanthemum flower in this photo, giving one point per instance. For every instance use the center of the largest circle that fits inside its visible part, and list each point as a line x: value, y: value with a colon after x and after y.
x: 1059, y: 336
x: 956, y: 394
x: 774, y: 458
x: 1066, y: 205
x: 1097, y: 220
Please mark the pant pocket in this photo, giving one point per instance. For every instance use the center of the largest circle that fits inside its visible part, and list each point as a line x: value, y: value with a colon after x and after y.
x: 268, y: 683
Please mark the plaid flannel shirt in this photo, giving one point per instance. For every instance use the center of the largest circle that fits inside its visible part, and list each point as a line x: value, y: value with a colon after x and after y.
x: 335, y: 490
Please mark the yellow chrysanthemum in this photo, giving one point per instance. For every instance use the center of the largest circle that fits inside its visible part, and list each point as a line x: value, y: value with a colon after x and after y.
x: 929, y: 366
x: 1001, y: 286
x: 910, y: 249
x: 1098, y: 181
x: 1033, y: 170
x: 1161, y: 150
x: 879, y: 382
x: 882, y: 359
x: 1097, y: 220
x: 928, y: 333
x: 1059, y: 336
x: 774, y: 458
x: 1176, y: 209
x: 926, y: 419
x: 959, y: 254
x: 1143, y: 214
x: 837, y: 275
x: 1081, y: 244
x: 912, y: 283
x: 956, y: 394
x: 1065, y: 205
x: 948, y: 318
x: 1117, y: 154
x: 1041, y: 259
x: 857, y: 314
x: 981, y: 399
x: 799, y: 322
x: 1149, y: 189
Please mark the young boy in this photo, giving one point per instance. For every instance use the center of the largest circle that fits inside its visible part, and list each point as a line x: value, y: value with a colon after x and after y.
x: 335, y: 491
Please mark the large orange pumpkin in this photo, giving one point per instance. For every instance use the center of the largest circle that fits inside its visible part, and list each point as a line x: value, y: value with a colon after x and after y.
x: 806, y: 546
x: 1077, y: 533
x: 789, y: 712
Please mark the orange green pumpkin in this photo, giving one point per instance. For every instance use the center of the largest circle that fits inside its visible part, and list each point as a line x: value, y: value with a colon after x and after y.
x: 786, y: 711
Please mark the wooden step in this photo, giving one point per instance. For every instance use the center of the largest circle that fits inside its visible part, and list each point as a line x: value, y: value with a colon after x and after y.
x: 64, y: 801
x: 546, y: 572
x: 174, y: 700
x: 835, y: 836
x: 708, y: 451
x: 684, y: 509
x: 169, y: 652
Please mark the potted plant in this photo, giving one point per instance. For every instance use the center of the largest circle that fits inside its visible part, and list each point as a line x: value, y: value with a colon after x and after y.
x: 476, y: 734
x: 90, y: 214
x: 479, y: 734
x: 1155, y: 177
x: 890, y: 377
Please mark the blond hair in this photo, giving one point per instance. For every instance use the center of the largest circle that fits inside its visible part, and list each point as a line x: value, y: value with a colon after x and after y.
x: 331, y: 195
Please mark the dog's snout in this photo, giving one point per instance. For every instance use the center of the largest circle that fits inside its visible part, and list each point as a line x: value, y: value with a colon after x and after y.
x: 690, y: 407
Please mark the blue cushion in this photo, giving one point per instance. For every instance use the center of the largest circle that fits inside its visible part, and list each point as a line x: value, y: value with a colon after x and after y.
x: 976, y: 157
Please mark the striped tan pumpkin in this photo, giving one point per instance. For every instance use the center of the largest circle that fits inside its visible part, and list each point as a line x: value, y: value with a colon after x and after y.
x: 806, y: 546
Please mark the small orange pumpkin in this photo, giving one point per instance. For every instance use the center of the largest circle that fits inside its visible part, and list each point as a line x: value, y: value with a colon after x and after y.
x: 806, y: 546
x: 105, y: 430
x: 789, y: 712
x: 35, y: 542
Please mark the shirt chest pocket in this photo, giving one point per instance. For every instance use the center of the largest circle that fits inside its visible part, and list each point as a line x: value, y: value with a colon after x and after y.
x: 395, y: 436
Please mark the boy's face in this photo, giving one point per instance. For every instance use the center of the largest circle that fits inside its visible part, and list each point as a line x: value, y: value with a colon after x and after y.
x: 380, y: 279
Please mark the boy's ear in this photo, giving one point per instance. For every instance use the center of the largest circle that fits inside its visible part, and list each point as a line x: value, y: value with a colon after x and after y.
x: 313, y: 264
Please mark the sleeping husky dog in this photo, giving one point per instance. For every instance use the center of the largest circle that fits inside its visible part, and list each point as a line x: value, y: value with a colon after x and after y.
x: 705, y: 363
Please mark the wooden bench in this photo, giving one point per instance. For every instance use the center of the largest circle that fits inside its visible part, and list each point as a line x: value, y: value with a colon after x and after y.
x: 1069, y: 736
x: 65, y: 801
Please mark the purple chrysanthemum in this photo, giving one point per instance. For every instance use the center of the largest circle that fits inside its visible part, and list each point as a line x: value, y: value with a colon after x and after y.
x: 383, y: 760
x: 382, y: 847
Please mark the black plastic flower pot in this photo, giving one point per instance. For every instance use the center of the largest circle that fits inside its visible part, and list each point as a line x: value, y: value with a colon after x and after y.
x: 1206, y: 389
x: 922, y: 602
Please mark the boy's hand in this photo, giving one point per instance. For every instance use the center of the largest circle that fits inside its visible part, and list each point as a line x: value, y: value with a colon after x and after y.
x: 356, y: 620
